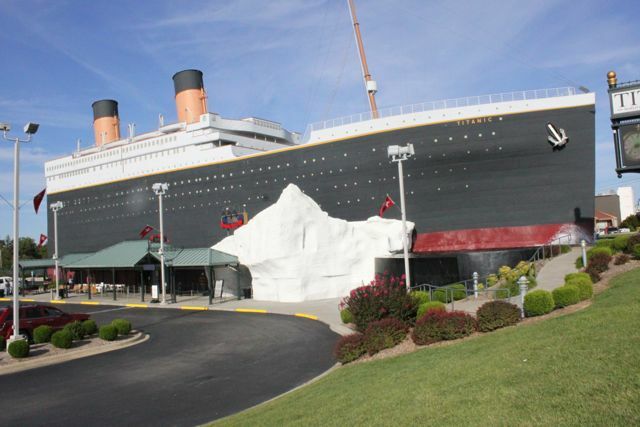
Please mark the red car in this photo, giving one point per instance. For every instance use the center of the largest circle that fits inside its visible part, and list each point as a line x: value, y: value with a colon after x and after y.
x: 34, y: 315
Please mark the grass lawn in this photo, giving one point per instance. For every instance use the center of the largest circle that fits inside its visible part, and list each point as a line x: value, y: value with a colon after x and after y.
x: 578, y: 369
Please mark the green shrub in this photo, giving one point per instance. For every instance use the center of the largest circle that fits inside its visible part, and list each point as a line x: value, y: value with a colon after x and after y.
x: 42, y: 334
x: 599, y: 262
x: 621, y: 259
x: 636, y: 250
x: 633, y: 240
x: 442, y: 325
x: 62, y: 339
x: 384, y: 333
x: 620, y: 243
x: 90, y: 327
x: 122, y: 325
x: 3, y: 343
x: 571, y: 276
x: 420, y: 297
x: 606, y: 243
x: 346, y: 316
x: 441, y: 295
x: 584, y: 285
x: 430, y: 306
x: 19, y: 349
x: 108, y: 332
x: 565, y: 249
x: 458, y: 291
x: 349, y: 348
x: 579, y: 264
x: 565, y: 296
x: 538, y: 302
x: 598, y: 250
x: 497, y: 314
x: 76, y: 330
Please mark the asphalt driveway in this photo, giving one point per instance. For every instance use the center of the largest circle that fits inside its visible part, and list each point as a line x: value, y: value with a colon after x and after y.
x: 196, y: 367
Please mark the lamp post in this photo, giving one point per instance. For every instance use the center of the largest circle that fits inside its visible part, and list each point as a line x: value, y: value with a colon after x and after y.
x: 30, y: 129
x: 160, y: 188
x: 399, y: 154
x: 55, y: 207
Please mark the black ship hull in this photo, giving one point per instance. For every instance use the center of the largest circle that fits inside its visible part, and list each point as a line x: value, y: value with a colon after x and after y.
x: 495, y: 176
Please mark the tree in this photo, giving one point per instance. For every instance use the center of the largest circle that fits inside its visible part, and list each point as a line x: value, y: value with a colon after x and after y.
x: 27, y: 250
x: 631, y: 222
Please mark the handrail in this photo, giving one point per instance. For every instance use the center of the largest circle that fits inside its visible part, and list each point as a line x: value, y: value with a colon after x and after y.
x: 442, y: 104
x: 449, y: 292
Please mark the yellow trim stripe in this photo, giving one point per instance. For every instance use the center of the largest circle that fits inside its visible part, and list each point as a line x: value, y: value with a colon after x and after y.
x: 250, y: 310
x: 137, y: 305
x: 5, y: 299
x: 194, y: 307
x: 57, y: 301
x: 89, y: 303
x: 27, y: 300
x: 298, y: 147
x: 306, y: 316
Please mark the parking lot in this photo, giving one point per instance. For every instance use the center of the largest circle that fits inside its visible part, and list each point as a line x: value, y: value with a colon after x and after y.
x: 196, y: 367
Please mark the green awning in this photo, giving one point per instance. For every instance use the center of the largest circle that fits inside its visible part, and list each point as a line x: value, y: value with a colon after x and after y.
x: 196, y: 257
x: 125, y: 254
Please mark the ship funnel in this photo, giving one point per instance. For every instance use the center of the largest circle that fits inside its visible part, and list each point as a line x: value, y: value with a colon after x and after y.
x: 106, y: 122
x: 191, y: 99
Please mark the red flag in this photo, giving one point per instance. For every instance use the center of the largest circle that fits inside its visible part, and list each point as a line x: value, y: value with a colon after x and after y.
x: 43, y: 239
x: 38, y: 199
x: 386, y: 205
x: 146, y: 230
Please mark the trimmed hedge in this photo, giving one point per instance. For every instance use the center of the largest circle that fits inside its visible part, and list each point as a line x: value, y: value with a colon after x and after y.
x: 420, y: 297
x: 108, y: 332
x: 441, y: 325
x: 441, y: 295
x: 598, y: 250
x: 565, y: 296
x: 606, y: 243
x: 538, y: 302
x: 620, y: 243
x: 62, y: 339
x: 576, y: 275
x: 430, y: 306
x: 599, y: 262
x: 385, y: 333
x: 346, y: 316
x: 42, y: 334
x: 459, y: 291
x: 90, y: 327
x: 349, y: 348
x: 497, y: 314
x: 636, y: 251
x: 75, y: 329
x: 19, y: 349
x: 621, y: 259
x: 122, y: 325
x: 579, y: 264
x: 633, y: 240
x: 584, y: 285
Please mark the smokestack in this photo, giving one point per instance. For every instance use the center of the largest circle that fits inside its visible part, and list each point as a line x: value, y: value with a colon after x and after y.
x: 106, y: 123
x: 191, y: 99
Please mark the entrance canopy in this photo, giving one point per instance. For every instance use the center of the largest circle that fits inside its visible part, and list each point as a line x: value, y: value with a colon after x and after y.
x: 44, y: 263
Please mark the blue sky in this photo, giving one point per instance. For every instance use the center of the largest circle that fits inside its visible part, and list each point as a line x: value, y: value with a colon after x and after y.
x: 294, y: 62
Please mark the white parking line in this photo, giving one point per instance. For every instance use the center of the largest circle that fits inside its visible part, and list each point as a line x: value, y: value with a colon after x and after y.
x: 110, y: 309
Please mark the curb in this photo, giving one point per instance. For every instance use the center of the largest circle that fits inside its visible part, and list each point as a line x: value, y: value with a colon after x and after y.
x: 27, y: 364
x: 194, y: 307
x: 250, y: 310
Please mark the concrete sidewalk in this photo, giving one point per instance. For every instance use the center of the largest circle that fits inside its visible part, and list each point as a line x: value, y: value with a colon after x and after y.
x: 325, y: 310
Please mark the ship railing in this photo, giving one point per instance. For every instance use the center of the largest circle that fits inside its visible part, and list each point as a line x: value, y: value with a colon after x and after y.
x: 443, y: 104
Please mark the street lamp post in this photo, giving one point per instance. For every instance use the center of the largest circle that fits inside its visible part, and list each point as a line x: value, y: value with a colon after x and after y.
x: 30, y: 129
x: 55, y: 207
x: 399, y: 154
x: 160, y: 188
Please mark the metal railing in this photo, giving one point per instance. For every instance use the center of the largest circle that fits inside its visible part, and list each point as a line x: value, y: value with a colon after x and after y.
x: 549, y: 250
x: 442, y: 104
x: 449, y: 292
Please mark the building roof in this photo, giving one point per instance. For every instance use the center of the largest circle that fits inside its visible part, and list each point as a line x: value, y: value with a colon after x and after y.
x: 121, y: 255
x: 196, y: 257
x: 34, y: 264
x: 604, y: 215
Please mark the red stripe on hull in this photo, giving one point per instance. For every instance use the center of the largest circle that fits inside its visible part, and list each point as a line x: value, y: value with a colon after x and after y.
x: 491, y: 238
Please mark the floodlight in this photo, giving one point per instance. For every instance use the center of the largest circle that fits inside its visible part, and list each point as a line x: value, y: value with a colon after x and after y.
x: 31, y: 128
x: 5, y: 127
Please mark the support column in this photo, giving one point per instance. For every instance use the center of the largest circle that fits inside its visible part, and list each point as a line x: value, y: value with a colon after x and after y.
x: 113, y: 283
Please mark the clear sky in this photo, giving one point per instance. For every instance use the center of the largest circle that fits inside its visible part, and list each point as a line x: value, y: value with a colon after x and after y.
x: 293, y: 61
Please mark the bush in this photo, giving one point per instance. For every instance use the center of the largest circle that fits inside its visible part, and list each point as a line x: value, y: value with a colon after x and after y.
x: 579, y: 264
x: 346, y: 316
x: 122, y: 325
x: 42, y: 334
x: 3, y: 343
x: 538, y: 302
x: 606, y: 243
x: 385, y: 333
x: 385, y: 296
x: 497, y: 314
x: 76, y: 330
x: 459, y: 291
x: 420, y: 297
x: 19, y: 349
x: 565, y: 296
x: 108, y: 332
x: 636, y: 251
x: 584, y: 285
x: 620, y: 243
x: 62, y: 339
x: 89, y: 327
x: 599, y: 262
x: 441, y: 325
x: 598, y: 250
x: 621, y: 259
x: 441, y: 295
x: 632, y: 241
x: 349, y: 348
x: 430, y: 306
x: 593, y: 274
x: 571, y: 276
